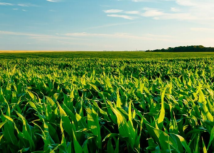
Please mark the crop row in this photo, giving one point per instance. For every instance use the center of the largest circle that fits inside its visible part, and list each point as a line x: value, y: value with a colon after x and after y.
x: 88, y: 106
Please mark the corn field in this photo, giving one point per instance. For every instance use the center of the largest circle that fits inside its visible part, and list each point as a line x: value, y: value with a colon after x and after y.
x: 107, y: 105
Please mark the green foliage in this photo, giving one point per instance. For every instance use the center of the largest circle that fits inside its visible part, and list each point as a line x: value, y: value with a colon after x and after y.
x: 102, y: 105
x: 112, y: 54
x: 198, y: 48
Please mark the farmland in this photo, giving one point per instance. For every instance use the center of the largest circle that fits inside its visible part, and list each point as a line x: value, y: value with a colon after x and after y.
x: 107, y: 102
x: 111, y: 55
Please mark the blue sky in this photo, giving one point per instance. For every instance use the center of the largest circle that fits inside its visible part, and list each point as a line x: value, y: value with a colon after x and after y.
x: 105, y: 24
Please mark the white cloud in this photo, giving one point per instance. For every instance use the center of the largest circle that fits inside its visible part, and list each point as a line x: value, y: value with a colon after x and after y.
x: 111, y: 25
x: 121, y: 35
x: 6, y: 4
x: 19, y: 4
x: 177, y: 16
x: 197, y: 10
x: 23, y: 5
x: 26, y: 5
x: 53, y: 0
x: 157, y: 15
x: 121, y: 16
x: 173, y: 9
x: 203, y: 29
x: 34, y: 36
x: 132, y: 12
x: 193, y: 5
x: 113, y: 11
x: 141, y: 0
x: 187, y: 2
x: 150, y: 12
x: 203, y: 10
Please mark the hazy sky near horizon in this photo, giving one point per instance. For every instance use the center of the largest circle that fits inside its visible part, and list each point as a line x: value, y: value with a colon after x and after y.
x: 105, y: 24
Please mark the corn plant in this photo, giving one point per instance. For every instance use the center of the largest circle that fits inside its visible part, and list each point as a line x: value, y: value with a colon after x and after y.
x: 102, y: 105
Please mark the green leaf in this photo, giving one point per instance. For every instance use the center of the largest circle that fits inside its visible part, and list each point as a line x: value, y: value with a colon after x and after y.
x: 2, y: 124
x: 162, y: 111
x: 183, y: 142
x: 94, y: 126
x: 204, y: 146
x: 77, y: 146
x: 118, y: 102
x: 211, y: 138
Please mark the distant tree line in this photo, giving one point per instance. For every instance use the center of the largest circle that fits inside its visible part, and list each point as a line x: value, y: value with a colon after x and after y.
x: 198, y: 48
